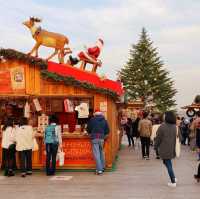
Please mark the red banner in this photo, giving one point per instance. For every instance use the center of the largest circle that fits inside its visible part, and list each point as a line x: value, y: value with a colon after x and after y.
x: 77, y: 152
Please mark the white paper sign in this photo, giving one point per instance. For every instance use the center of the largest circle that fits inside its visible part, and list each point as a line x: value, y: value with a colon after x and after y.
x: 103, y: 106
x: 61, y: 178
x: 37, y: 104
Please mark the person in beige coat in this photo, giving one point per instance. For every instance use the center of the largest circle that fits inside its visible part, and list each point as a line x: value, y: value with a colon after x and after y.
x: 24, y: 144
x: 145, y: 131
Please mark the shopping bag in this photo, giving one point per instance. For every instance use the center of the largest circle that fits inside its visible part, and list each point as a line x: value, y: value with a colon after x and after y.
x: 61, y: 158
x: 35, y: 145
x: 178, y: 145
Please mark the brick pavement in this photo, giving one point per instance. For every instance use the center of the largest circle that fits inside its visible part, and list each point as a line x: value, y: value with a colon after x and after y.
x: 134, y: 179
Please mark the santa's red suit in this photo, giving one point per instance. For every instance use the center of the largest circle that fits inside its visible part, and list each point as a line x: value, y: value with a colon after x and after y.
x: 93, y: 52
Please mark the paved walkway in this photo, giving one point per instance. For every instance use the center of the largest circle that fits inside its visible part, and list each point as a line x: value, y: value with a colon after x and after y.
x: 134, y: 179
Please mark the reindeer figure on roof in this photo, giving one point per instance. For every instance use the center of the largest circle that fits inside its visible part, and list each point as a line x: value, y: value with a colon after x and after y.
x: 48, y: 39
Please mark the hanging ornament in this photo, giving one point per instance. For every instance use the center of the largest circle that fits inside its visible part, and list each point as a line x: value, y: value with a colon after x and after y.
x: 27, y: 110
x: 37, y: 104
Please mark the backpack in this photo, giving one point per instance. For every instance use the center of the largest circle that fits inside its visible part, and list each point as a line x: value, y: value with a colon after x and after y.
x: 50, y: 135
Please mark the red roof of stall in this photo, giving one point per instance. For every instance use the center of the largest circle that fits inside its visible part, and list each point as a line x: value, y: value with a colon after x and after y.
x: 66, y: 70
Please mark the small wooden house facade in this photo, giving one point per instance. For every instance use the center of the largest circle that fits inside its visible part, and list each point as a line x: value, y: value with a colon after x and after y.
x: 47, y: 88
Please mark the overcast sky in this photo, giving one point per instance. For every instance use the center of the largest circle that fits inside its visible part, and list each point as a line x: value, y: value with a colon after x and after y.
x: 173, y: 26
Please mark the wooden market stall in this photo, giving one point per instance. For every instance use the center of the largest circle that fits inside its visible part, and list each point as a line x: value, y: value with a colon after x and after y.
x: 48, y: 87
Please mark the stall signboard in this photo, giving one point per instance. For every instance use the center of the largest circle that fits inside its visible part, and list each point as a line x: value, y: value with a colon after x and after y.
x: 77, y: 152
x: 17, y: 78
x: 12, y: 80
x: 103, y: 108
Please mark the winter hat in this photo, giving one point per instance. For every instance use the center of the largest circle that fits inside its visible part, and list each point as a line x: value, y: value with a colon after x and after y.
x: 98, y: 112
x: 100, y: 43
x: 101, y: 40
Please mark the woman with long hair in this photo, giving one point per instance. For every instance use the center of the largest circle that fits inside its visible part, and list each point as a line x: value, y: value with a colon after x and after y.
x: 165, y: 143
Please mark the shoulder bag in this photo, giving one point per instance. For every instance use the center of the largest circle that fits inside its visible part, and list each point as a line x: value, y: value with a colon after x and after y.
x: 178, y: 144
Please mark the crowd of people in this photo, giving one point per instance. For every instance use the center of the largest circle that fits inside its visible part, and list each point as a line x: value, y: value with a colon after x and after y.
x: 161, y: 132
x: 19, y: 138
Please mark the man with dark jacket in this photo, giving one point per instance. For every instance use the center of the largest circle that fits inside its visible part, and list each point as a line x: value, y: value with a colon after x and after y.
x: 98, y: 130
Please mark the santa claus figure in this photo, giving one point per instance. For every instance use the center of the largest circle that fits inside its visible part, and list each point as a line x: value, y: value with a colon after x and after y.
x: 91, y: 54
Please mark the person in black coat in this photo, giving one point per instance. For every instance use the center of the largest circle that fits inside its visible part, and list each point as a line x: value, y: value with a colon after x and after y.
x: 128, y: 129
x: 197, y: 176
x: 135, y: 132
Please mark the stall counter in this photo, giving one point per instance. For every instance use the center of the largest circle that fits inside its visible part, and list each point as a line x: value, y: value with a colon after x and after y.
x: 77, y: 149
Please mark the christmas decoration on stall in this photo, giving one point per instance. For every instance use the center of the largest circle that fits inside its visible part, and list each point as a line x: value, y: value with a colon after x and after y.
x: 10, y: 54
x: 37, y: 104
x: 27, y: 110
x: 72, y: 81
x: 48, y: 39
x: 144, y: 76
x: 193, y: 108
x: 89, y: 55
x: 68, y: 105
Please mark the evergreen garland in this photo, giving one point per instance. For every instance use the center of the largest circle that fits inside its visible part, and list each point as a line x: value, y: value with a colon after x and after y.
x: 11, y: 54
x: 71, y: 81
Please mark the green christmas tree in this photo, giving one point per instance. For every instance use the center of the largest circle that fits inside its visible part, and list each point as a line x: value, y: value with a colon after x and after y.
x: 144, y: 76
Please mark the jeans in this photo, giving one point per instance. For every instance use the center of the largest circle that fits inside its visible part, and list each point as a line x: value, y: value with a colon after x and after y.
x: 130, y: 139
x: 51, y: 150
x: 97, y: 148
x: 25, y: 161
x: 168, y: 164
x: 145, y: 142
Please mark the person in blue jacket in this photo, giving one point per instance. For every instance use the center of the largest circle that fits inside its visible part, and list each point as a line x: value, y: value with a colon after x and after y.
x: 98, y: 131
x: 52, y: 140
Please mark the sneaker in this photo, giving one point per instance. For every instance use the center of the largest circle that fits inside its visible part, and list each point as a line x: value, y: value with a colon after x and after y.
x: 99, y: 172
x: 170, y: 184
x: 147, y: 158
x: 23, y: 175
x: 10, y: 173
x: 144, y: 157
x: 176, y: 180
